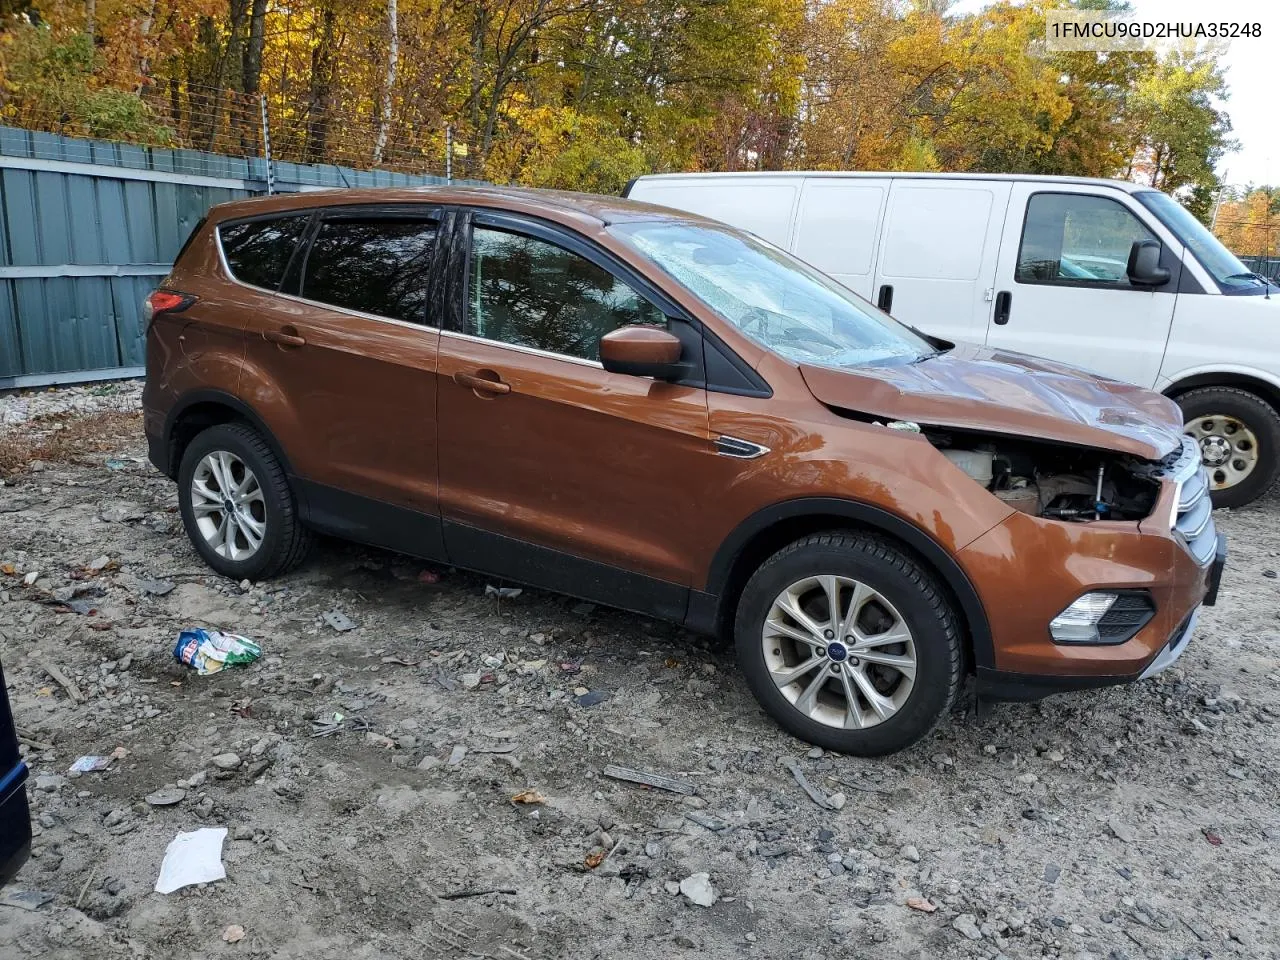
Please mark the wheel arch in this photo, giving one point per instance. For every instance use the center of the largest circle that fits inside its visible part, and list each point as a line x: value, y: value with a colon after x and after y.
x: 1262, y: 388
x: 765, y: 532
x: 200, y: 409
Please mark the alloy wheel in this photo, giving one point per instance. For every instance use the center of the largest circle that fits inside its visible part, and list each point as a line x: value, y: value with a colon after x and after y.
x: 228, y: 504
x: 1228, y: 448
x: 839, y: 652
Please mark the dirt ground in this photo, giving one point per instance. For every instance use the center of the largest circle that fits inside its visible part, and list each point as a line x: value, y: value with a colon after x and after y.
x: 1134, y: 822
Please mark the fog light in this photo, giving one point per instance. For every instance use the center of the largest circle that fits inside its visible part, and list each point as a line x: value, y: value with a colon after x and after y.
x: 1079, y: 622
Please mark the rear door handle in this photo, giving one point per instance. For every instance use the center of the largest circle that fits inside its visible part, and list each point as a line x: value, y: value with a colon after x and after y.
x: 885, y: 298
x: 1003, y: 299
x: 287, y: 336
x: 490, y: 384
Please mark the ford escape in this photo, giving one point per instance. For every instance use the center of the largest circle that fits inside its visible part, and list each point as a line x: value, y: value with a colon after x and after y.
x: 654, y: 411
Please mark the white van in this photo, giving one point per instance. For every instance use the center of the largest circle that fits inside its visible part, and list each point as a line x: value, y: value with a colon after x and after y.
x: 1109, y: 276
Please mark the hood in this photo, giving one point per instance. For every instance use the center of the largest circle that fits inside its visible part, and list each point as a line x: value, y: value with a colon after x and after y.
x: 985, y: 389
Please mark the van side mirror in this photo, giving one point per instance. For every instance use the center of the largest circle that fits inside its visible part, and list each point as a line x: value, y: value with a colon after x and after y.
x: 1144, y: 268
x: 643, y: 351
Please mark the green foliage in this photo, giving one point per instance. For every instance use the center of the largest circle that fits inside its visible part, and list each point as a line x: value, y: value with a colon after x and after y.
x: 54, y: 80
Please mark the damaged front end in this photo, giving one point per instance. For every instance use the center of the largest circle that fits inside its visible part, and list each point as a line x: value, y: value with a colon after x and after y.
x: 1052, y: 480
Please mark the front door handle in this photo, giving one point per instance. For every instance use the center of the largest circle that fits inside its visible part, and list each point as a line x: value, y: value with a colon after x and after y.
x: 885, y: 298
x: 1003, y: 299
x: 286, y: 336
x: 482, y: 384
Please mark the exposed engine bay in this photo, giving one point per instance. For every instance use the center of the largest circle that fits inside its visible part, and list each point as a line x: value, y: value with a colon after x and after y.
x: 1051, y: 480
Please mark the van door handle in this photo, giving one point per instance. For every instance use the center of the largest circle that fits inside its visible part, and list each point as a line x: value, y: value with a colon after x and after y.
x: 885, y: 298
x: 482, y: 384
x: 286, y: 336
x: 1003, y: 299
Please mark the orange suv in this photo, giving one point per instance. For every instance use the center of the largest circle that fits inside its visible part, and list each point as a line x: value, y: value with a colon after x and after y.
x: 657, y: 412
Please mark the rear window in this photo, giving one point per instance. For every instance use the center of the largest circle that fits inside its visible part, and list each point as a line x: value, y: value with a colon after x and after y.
x: 258, y: 251
x: 376, y: 265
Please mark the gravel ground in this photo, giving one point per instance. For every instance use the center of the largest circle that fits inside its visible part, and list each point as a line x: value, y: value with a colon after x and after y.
x: 1134, y: 822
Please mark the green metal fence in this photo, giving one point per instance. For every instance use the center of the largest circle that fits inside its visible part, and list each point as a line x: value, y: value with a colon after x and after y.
x: 88, y: 227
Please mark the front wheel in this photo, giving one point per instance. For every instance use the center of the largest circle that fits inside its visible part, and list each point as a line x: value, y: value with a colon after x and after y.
x: 1239, y: 437
x: 849, y: 643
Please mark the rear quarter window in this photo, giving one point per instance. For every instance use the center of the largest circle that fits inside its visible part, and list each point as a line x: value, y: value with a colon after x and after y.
x: 258, y: 251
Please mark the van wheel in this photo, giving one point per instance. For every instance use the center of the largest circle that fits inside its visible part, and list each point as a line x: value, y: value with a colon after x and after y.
x: 236, y: 504
x: 1239, y: 437
x: 849, y: 643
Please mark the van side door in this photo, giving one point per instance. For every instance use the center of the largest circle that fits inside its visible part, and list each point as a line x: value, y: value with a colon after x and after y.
x: 1063, y: 292
x: 938, y: 254
x: 838, y: 228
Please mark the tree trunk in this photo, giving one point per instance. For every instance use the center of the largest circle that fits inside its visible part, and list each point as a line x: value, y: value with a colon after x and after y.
x: 393, y: 54
x: 91, y: 18
x: 322, y: 71
x: 251, y: 78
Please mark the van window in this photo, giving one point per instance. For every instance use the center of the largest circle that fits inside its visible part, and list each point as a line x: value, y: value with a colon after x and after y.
x: 1074, y: 239
x: 377, y: 265
x: 258, y: 251
x: 532, y: 293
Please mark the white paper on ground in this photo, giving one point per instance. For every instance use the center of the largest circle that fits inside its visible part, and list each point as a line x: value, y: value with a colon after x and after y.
x: 194, y: 857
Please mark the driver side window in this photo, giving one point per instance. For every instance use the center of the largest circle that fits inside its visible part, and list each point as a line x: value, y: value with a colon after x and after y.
x: 531, y: 293
x: 1073, y: 239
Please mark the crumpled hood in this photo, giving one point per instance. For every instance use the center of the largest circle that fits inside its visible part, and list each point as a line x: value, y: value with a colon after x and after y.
x: 981, y: 388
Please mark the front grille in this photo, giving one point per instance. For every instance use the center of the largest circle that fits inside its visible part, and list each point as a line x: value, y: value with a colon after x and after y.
x: 1129, y: 614
x: 1194, y: 519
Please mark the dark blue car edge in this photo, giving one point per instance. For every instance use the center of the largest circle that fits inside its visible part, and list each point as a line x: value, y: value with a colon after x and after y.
x: 15, y: 815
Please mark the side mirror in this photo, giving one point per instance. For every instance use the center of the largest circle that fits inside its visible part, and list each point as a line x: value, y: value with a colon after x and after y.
x: 1144, y: 268
x: 643, y: 351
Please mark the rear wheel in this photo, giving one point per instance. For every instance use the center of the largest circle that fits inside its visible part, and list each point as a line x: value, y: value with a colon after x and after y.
x: 236, y: 504
x: 849, y: 643
x: 1239, y: 437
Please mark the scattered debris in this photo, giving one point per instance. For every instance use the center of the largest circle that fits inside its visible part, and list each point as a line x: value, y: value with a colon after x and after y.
x: 428, y: 576
x: 457, y: 755
x: 528, y: 796
x: 89, y: 764
x: 233, y: 934
x: 339, y: 621
x: 166, y: 797
x: 467, y: 894
x: 63, y: 680
x: 24, y: 899
x: 194, y: 857
x: 594, y: 859
x: 1214, y: 838
x: 698, y: 889
x: 921, y: 904
x: 816, y: 795
x: 210, y: 651
x: 614, y: 772
x: 591, y: 698
x: 99, y: 564
x: 157, y: 588
x: 502, y: 593
x: 967, y: 924
x: 339, y: 723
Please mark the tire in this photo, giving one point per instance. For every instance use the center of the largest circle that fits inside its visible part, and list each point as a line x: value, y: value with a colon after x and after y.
x: 906, y: 594
x: 283, y: 542
x: 1214, y: 405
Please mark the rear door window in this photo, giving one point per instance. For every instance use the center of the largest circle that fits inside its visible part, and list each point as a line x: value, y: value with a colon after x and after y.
x: 377, y: 264
x: 258, y: 251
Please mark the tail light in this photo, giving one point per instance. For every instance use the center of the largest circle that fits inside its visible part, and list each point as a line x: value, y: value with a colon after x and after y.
x: 165, y: 301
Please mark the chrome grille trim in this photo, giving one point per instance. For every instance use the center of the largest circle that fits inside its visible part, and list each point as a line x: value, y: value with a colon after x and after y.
x: 1194, y: 517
